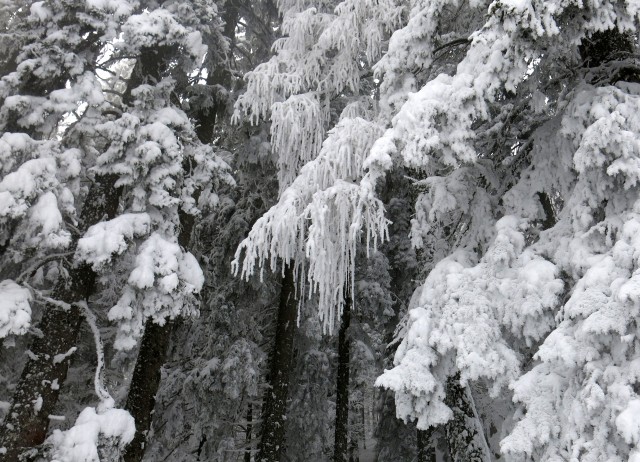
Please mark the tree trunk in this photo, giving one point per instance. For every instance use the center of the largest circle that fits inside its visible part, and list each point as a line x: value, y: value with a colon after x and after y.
x: 426, y: 451
x: 275, y: 399
x: 36, y: 394
x: 144, y: 384
x: 465, y: 436
x: 341, y: 440
x: 247, y: 451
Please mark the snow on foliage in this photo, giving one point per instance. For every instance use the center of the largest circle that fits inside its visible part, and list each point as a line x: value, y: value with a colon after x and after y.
x: 96, y: 436
x: 584, y: 371
x: 411, y: 47
x: 40, y: 161
x: 588, y: 364
x: 103, y: 240
x: 320, y: 52
x: 297, y: 132
x: 162, y: 284
x: 323, y: 212
x: 15, y: 311
x: 567, y: 293
x: 321, y: 216
x: 158, y: 28
x: 462, y: 311
x: 35, y: 196
x: 149, y: 147
x: 436, y: 123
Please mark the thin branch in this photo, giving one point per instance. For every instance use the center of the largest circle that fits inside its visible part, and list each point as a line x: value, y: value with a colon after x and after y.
x: 452, y: 43
x: 245, y: 54
x: 38, y: 293
x: 31, y: 271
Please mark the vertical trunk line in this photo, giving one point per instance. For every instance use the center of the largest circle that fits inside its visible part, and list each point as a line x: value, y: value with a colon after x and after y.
x: 277, y: 393
x: 247, y: 451
x: 144, y: 384
x: 426, y: 451
x: 341, y: 444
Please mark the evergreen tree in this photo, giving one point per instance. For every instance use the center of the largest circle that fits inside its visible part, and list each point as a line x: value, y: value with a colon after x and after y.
x: 451, y: 183
x: 506, y: 303
x: 52, y: 68
x: 138, y: 157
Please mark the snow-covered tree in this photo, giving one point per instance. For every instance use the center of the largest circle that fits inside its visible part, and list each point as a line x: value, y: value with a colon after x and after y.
x: 133, y: 149
x: 218, y: 383
x: 43, y: 161
x: 528, y: 172
x: 315, y: 75
x: 486, y: 152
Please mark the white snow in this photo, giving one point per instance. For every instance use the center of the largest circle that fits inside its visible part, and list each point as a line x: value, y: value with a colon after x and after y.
x: 161, y: 284
x: 108, y: 238
x: 113, y: 427
x: 628, y: 422
x: 15, y: 310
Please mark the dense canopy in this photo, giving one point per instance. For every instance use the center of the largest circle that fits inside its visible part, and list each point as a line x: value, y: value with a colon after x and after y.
x: 305, y: 231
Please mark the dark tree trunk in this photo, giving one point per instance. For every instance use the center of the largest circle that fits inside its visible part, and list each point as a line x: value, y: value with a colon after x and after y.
x: 36, y: 395
x: 426, y: 450
x: 248, y: 436
x: 463, y: 432
x: 144, y: 385
x: 341, y: 440
x: 275, y: 400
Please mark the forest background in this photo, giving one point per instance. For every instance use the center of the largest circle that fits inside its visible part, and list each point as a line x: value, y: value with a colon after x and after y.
x: 362, y: 230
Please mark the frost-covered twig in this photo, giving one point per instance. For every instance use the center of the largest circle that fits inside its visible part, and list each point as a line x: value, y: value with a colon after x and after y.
x: 38, y: 293
x: 106, y: 401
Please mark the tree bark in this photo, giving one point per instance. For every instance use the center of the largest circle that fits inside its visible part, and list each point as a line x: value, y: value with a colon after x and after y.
x: 464, y: 432
x: 275, y: 400
x: 36, y: 395
x: 248, y: 436
x: 426, y: 451
x: 341, y: 439
x: 144, y: 384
